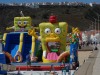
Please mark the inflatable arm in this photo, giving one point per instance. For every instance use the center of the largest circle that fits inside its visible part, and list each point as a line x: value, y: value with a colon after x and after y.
x: 33, y: 33
x: 18, y: 54
x: 33, y: 58
x: 9, y: 28
x: 4, y: 38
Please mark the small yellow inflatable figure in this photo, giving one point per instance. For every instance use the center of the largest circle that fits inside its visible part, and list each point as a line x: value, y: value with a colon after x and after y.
x: 53, y: 39
x: 21, y: 24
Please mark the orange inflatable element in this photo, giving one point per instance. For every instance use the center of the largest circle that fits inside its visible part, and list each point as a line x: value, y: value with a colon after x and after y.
x: 62, y: 56
x: 9, y: 56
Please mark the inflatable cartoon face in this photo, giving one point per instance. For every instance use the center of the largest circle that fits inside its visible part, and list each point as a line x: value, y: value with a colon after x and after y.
x: 22, y: 23
x: 53, y: 39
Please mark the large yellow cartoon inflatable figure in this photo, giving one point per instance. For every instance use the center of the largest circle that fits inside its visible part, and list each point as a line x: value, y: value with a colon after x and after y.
x: 53, y: 39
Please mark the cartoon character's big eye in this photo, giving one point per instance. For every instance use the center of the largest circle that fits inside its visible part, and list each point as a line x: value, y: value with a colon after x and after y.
x: 19, y: 22
x: 47, y: 30
x: 57, y: 31
x: 25, y: 22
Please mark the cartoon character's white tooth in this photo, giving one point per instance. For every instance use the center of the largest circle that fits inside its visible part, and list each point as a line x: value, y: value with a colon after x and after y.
x: 53, y: 43
x: 44, y: 54
x: 49, y: 43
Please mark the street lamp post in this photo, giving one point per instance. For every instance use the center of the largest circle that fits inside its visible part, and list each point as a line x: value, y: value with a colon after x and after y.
x: 92, y: 25
x: 95, y: 25
x: 95, y: 37
x: 95, y: 20
x: 98, y: 23
x: 95, y: 32
x: 98, y: 15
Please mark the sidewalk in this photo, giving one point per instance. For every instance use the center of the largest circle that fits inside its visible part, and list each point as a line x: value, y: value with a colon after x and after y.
x: 96, y: 67
x: 91, y: 66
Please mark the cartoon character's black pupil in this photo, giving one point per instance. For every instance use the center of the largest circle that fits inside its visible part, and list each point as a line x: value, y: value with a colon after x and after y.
x: 19, y: 22
x: 24, y: 22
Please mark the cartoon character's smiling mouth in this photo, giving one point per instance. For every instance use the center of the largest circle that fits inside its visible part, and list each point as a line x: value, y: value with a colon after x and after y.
x: 53, y: 46
x: 22, y: 26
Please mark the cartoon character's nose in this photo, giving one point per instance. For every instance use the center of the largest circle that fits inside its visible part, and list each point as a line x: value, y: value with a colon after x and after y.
x: 52, y: 35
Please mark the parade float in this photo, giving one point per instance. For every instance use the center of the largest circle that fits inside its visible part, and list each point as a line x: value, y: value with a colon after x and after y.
x: 30, y: 50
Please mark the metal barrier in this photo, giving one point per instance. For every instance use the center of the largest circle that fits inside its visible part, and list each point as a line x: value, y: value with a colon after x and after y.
x: 5, y: 67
